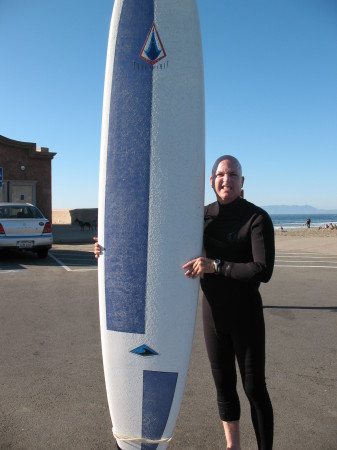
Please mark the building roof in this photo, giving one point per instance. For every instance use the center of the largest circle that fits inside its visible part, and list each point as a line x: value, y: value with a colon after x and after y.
x: 40, y: 153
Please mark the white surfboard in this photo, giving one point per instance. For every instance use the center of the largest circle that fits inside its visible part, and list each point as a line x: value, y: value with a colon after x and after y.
x: 150, y: 213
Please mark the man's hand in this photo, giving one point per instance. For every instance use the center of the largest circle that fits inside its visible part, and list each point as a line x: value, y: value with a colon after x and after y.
x: 97, y: 248
x: 196, y: 267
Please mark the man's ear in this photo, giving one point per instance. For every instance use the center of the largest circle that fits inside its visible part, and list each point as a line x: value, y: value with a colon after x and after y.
x: 211, y: 180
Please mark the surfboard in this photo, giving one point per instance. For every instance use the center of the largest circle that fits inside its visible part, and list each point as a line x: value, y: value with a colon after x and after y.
x: 150, y: 222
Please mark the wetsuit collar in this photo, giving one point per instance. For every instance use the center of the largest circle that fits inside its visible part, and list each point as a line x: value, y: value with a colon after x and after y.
x: 230, y: 206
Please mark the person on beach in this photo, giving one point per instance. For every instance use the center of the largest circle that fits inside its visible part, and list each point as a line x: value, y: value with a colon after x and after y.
x: 239, y: 254
x: 308, y: 222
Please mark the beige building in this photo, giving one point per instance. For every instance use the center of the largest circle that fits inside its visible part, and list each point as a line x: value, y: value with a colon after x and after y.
x: 26, y: 174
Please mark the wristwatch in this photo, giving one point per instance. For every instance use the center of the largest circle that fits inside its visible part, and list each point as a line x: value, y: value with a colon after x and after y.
x: 217, y: 266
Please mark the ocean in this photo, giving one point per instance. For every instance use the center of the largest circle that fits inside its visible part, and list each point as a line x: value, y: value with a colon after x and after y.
x: 298, y: 220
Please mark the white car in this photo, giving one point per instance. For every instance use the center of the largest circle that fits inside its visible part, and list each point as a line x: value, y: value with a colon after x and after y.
x: 23, y: 227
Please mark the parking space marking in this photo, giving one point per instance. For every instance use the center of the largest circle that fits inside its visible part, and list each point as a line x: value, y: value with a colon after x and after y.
x: 3, y: 271
x: 308, y: 255
x: 59, y: 262
x: 76, y: 258
x: 306, y: 260
x: 305, y: 267
x: 74, y: 261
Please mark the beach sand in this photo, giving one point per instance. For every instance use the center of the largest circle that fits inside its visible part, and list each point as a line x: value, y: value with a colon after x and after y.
x: 307, y: 240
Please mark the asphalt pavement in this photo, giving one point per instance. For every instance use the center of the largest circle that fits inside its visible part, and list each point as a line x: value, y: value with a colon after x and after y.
x: 52, y: 392
x: 73, y: 234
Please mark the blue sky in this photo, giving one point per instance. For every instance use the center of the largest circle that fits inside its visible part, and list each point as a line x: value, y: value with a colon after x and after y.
x: 270, y: 84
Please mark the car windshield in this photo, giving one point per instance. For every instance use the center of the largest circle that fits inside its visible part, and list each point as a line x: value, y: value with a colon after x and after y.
x: 20, y: 212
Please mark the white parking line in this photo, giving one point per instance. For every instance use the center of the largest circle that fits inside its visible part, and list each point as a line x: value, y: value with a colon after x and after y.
x: 76, y: 255
x: 67, y: 266
x: 83, y: 270
x: 307, y: 256
x: 305, y: 267
x: 305, y: 261
x: 311, y: 254
x: 2, y: 271
x: 60, y: 262
x: 68, y: 258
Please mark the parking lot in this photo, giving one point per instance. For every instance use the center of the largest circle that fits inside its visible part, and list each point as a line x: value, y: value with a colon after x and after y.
x: 52, y: 392
x: 70, y: 257
x: 305, y: 260
x: 72, y: 260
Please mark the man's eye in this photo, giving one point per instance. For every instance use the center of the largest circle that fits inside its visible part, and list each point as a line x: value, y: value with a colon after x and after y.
x: 230, y: 174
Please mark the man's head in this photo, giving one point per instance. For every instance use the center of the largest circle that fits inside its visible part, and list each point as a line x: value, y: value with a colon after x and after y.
x: 227, y: 180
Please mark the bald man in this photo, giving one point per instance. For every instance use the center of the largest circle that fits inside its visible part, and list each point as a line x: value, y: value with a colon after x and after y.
x: 239, y: 255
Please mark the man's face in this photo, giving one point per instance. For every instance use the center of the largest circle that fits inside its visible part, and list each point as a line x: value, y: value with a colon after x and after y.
x: 228, y: 181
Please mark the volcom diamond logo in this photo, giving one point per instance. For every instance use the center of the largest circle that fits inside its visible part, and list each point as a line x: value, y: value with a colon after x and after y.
x: 144, y: 351
x: 153, y: 49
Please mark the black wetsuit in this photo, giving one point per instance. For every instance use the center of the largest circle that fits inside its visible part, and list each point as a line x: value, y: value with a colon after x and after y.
x: 241, y: 235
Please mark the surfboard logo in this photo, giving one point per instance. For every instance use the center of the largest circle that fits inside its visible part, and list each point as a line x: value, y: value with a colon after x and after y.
x: 144, y: 351
x: 153, y: 49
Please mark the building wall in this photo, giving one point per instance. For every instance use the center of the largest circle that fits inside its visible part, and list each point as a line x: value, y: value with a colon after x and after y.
x: 25, y: 166
x: 68, y: 216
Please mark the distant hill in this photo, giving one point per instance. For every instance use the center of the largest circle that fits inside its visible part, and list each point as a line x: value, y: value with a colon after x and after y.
x: 297, y: 209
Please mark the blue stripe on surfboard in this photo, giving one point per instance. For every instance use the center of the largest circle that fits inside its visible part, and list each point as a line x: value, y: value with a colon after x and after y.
x: 158, y: 394
x: 128, y: 174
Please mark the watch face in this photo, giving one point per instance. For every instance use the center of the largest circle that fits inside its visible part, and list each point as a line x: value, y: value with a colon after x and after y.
x: 216, y: 265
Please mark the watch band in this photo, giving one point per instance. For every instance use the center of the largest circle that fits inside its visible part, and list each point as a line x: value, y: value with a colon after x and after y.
x: 227, y: 269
